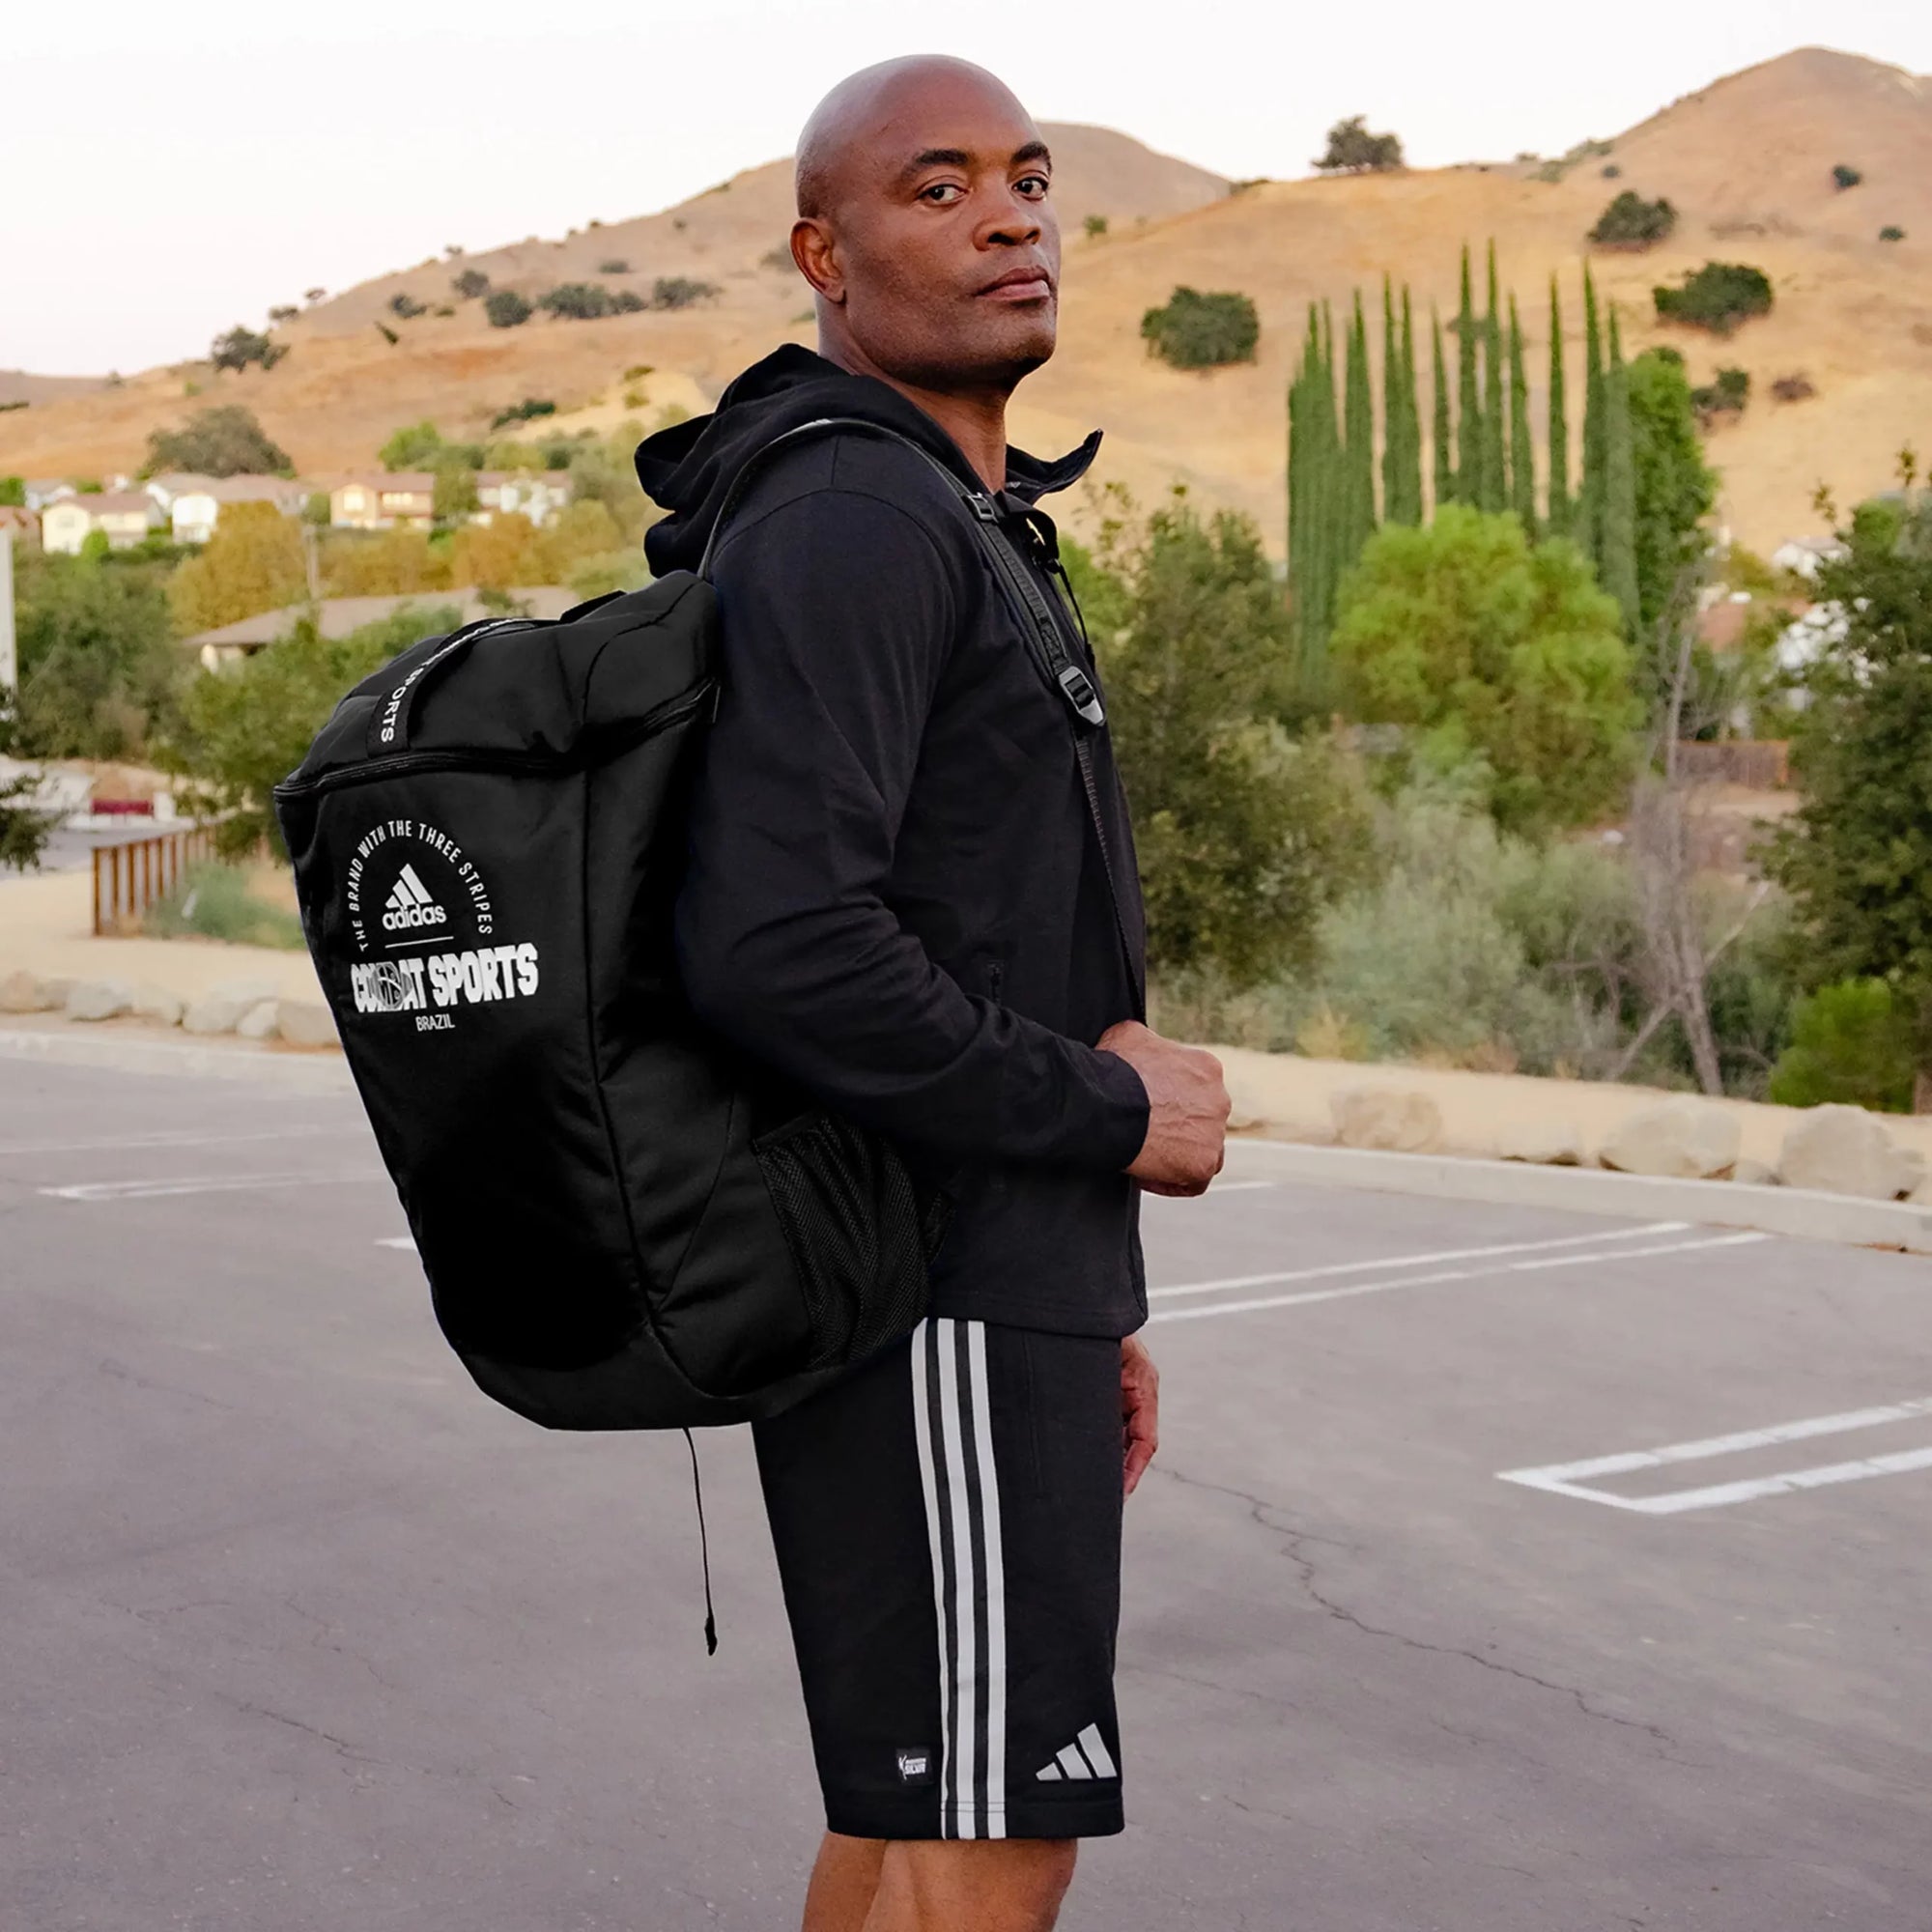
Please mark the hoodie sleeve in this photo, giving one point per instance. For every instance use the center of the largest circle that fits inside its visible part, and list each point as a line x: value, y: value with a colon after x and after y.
x: 783, y: 937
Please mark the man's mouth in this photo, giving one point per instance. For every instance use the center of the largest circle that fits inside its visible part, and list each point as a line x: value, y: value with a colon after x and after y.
x: 1018, y: 285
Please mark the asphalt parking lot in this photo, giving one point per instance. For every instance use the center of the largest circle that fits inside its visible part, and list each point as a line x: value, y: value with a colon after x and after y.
x: 1503, y: 1570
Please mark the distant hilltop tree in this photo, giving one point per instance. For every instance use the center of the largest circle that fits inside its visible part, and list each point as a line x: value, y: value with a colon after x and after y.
x: 507, y: 309
x: 1844, y: 176
x: 1630, y: 223
x: 1193, y: 331
x: 1718, y: 296
x: 241, y: 347
x: 470, y: 283
x: 221, y: 442
x: 1353, y: 151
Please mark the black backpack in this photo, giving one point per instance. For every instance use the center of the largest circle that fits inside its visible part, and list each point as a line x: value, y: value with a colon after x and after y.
x: 625, y: 1224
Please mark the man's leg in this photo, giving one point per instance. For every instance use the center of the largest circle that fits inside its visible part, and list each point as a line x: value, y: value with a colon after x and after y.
x: 985, y: 1885
x: 844, y: 1882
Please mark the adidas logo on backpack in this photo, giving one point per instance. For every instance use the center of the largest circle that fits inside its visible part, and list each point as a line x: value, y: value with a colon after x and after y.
x: 411, y: 904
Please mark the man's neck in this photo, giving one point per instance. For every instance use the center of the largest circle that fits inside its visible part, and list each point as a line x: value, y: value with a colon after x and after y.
x: 976, y: 419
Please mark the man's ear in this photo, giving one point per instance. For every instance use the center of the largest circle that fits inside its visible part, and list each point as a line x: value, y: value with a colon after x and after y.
x: 816, y: 253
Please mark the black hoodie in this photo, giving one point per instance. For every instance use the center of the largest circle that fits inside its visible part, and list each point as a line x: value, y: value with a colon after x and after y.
x: 894, y: 895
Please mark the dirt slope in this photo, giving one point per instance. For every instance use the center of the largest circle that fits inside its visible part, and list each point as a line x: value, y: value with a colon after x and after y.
x: 1747, y: 162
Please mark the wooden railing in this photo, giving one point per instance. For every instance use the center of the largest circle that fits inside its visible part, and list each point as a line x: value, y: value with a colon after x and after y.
x: 128, y: 878
x: 1763, y: 764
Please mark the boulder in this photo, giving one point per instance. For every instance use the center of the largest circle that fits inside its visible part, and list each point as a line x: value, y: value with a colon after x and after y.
x: 1546, y: 1142
x: 1847, y: 1151
x: 258, y: 1021
x: 1681, y: 1140
x: 216, y: 1012
x: 305, y: 1023
x: 246, y: 992
x: 157, y: 1004
x: 1390, y: 1118
x: 23, y: 992
x: 99, y: 1000
x: 1748, y: 1172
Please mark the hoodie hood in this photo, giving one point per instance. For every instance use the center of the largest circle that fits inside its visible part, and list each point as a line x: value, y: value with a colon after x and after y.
x: 687, y: 468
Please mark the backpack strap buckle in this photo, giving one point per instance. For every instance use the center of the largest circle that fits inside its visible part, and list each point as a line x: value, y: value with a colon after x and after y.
x: 1079, y: 692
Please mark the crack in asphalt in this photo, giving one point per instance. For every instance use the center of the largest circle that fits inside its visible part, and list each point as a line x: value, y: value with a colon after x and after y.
x: 1268, y: 1516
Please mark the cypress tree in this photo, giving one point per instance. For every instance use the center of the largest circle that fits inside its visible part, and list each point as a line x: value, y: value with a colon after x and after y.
x: 1394, y: 429
x: 1588, y: 525
x: 1469, y: 399
x: 1495, y: 495
x: 1401, y: 500
x: 1445, y: 471
x: 1359, y: 446
x: 1307, y: 474
x: 1559, y: 422
x: 1616, y: 565
x: 1522, y: 455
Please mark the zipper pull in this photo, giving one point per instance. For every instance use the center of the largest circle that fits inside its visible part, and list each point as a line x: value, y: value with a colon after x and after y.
x: 983, y: 507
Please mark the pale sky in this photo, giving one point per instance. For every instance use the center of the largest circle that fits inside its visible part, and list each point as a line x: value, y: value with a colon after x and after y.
x: 175, y: 168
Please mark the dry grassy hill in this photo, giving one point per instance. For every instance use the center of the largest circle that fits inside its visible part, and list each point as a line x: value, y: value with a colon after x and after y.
x: 1747, y: 162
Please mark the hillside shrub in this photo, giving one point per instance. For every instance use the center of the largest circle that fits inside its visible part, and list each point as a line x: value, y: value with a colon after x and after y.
x: 1094, y: 227
x: 470, y: 283
x: 403, y: 304
x: 241, y: 347
x: 1793, y: 389
x: 1630, y: 223
x: 1718, y: 296
x: 1851, y: 1043
x: 1725, y: 397
x: 1889, y: 233
x: 675, y: 292
x: 215, y: 901
x: 578, y: 301
x: 1844, y: 176
x: 414, y: 446
x: 1203, y: 331
x: 616, y: 265
x: 224, y: 440
x: 506, y: 309
x: 284, y: 312
x: 1352, y: 149
x: 527, y: 410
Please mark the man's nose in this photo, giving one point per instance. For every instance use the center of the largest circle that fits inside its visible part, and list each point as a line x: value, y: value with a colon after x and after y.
x: 1017, y: 222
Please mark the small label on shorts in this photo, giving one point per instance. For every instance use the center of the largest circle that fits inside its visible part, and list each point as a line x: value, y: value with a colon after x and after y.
x: 915, y: 1764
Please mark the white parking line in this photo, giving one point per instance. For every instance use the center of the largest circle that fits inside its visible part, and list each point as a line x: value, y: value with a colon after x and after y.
x: 206, y: 1184
x: 1417, y: 1260
x: 1597, y: 1255
x: 122, y: 1142
x: 1562, y: 1478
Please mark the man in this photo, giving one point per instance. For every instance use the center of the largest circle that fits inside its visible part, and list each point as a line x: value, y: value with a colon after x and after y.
x: 896, y: 897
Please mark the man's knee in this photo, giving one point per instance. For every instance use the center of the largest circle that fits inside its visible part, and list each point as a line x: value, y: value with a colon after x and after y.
x: 981, y: 1885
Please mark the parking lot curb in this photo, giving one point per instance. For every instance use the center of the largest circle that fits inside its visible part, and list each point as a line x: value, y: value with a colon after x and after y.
x: 1802, y: 1213
x: 120, y: 1053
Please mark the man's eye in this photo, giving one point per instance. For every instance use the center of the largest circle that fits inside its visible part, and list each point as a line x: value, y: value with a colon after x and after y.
x: 1039, y: 182
x: 939, y: 188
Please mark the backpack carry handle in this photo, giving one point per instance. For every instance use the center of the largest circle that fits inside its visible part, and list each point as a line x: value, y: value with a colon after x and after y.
x: 393, y: 719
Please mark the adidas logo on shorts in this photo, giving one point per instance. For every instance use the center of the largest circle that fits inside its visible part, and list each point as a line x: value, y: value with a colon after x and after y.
x: 1087, y: 1756
x: 409, y: 903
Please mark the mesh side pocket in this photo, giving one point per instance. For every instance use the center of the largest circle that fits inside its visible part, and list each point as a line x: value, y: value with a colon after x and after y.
x: 858, y: 1238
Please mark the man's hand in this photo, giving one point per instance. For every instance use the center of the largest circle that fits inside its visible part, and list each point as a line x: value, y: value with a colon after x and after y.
x: 1187, y: 1109
x: 1139, y: 1409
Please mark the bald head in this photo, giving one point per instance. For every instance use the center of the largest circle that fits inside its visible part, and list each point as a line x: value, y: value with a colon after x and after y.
x: 925, y: 225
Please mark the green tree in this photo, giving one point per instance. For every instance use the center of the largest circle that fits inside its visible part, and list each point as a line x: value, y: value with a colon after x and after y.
x: 1587, y: 525
x: 1851, y: 1044
x: 99, y: 668
x: 1495, y: 472
x: 1522, y: 443
x: 1445, y: 476
x: 1194, y: 330
x: 1675, y: 486
x: 1469, y: 399
x: 1315, y: 498
x: 1856, y: 855
x: 1630, y: 223
x: 505, y: 308
x: 454, y: 496
x: 1352, y: 149
x: 1718, y: 296
x: 246, y: 726
x: 1402, y: 422
x: 225, y: 441
x: 1492, y: 650
x: 1616, y: 555
x: 1359, y: 444
x: 1558, y: 520
x: 253, y: 562
x: 414, y: 446
x: 1243, y: 834
x: 14, y: 492
x: 241, y: 347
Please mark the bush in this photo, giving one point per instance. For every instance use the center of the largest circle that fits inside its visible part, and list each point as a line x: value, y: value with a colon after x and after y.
x: 1844, y: 176
x: 284, y: 312
x: 245, y: 727
x: 578, y: 301
x: 414, y: 446
x: 616, y: 265
x: 215, y: 901
x: 1718, y: 296
x: 1850, y: 1043
x: 382, y: 563
x: 241, y: 347
x: 226, y: 440
x: 1488, y: 651
x: 1725, y: 397
x: 406, y: 305
x: 1203, y: 331
x: 1890, y: 233
x: 1632, y: 222
x: 1094, y: 227
x: 527, y: 410
x: 1352, y: 149
x: 506, y: 309
x: 470, y: 283
x: 673, y: 291
x: 1795, y: 388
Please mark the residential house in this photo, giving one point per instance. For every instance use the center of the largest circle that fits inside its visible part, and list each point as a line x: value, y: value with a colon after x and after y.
x: 403, y: 499
x: 194, y: 504
x: 125, y: 517
x: 45, y: 490
x: 539, y: 494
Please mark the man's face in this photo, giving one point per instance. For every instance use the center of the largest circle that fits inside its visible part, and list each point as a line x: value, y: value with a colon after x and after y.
x: 945, y: 245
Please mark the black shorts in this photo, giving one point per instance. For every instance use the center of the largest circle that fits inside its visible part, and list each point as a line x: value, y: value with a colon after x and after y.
x: 948, y: 1527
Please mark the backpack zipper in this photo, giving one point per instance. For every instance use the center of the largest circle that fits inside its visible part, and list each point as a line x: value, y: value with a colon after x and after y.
x: 534, y: 763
